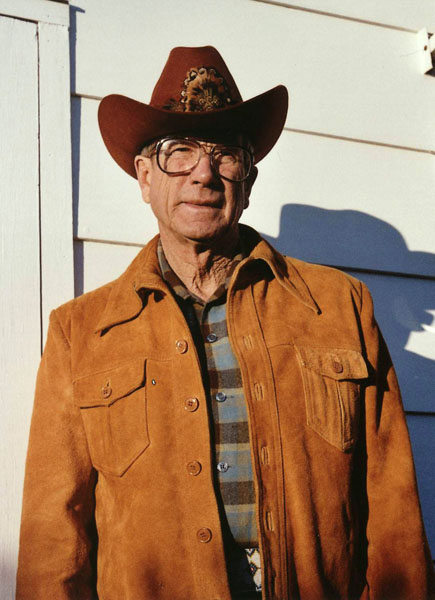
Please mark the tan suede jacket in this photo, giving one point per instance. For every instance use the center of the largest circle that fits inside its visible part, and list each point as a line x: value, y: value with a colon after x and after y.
x: 120, y: 412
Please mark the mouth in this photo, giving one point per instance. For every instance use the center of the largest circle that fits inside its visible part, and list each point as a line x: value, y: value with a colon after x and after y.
x: 202, y: 203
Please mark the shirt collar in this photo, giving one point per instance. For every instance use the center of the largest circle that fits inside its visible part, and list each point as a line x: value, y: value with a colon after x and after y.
x: 178, y: 287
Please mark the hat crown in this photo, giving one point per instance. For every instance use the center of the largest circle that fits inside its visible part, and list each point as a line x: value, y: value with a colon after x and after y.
x: 195, y: 80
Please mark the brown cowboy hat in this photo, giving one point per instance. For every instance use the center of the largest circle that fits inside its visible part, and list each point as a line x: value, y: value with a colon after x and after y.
x: 195, y: 93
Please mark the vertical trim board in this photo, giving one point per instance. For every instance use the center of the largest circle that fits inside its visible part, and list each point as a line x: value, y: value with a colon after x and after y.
x: 19, y: 272
x: 57, y: 265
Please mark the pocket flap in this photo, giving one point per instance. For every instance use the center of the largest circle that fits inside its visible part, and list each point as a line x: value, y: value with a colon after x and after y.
x: 337, y: 363
x: 106, y: 387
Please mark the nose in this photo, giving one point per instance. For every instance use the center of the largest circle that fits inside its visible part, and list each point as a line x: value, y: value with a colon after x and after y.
x: 203, y: 173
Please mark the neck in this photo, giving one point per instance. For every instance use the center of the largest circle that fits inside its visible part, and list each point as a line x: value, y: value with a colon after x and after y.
x: 200, y: 266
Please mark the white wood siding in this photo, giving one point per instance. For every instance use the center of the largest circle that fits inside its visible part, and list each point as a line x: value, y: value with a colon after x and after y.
x: 57, y: 269
x: 36, y: 270
x: 406, y: 14
x: 388, y: 184
x: 19, y: 272
x: 345, y: 78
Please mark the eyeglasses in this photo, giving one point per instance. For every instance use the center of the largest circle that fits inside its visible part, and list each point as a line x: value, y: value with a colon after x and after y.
x: 176, y: 156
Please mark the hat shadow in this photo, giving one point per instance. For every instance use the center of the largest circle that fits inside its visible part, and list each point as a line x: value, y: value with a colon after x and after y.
x: 354, y: 242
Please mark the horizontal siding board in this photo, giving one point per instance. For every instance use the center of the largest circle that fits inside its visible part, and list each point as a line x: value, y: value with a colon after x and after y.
x: 345, y: 78
x: 421, y: 429
x: 408, y: 14
x: 96, y: 264
x: 40, y: 11
x: 321, y: 199
x: 405, y: 311
x: 107, y: 201
x: 347, y: 204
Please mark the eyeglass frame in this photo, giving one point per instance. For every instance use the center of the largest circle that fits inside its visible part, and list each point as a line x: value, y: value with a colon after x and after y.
x: 210, y: 154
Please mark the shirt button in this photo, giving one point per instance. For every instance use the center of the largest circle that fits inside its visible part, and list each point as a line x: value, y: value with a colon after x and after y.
x: 191, y: 404
x: 337, y: 366
x: 221, y: 397
x: 212, y: 337
x: 222, y: 467
x: 204, y: 535
x: 181, y: 346
x: 194, y: 467
x: 106, y: 391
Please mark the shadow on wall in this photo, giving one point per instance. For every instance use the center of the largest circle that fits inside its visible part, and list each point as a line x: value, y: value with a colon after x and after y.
x: 352, y: 239
x: 76, y: 115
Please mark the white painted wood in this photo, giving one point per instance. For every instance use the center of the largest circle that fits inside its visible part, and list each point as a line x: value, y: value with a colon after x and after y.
x: 19, y: 273
x: 427, y: 44
x: 42, y: 11
x: 98, y: 263
x: 409, y: 14
x: 405, y: 308
x: 110, y: 206
x: 345, y: 78
x: 422, y: 341
x: 391, y: 190
x: 57, y: 265
x: 388, y: 194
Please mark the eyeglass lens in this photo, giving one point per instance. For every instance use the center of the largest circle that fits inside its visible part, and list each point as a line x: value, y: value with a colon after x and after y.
x: 180, y: 156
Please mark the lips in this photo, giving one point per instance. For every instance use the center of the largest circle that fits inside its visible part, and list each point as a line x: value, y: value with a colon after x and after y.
x: 206, y: 203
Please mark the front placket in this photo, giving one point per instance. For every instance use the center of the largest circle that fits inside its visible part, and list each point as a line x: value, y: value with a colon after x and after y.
x: 249, y: 345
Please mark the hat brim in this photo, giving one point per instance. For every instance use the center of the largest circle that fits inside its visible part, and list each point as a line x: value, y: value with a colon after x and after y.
x: 126, y: 125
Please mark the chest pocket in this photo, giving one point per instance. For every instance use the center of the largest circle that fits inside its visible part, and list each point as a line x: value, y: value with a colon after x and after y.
x: 332, y: 382
x: 113, y: 408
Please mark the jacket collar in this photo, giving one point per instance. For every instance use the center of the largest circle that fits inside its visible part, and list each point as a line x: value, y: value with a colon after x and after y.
x: 282, y: 267
x: 125, y: 300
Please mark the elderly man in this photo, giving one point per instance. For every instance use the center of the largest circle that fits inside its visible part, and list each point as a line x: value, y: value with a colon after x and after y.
x: 221, y: 421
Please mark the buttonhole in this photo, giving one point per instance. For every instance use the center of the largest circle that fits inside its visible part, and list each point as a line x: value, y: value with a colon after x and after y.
x: 264, y: 455
x: 258, y: 391
x: 269, y: 521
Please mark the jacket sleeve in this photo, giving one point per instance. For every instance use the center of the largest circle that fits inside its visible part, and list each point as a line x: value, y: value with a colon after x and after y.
x: 58, y: 538
x: 399, y: 562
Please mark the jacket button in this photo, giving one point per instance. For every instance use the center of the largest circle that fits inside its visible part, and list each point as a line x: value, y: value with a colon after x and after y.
x: 181, y: 346
x: 337, y: 366
x: 106, y: 391
x: 204, y: 535
x: 191, y: 404
x: 194, y: 467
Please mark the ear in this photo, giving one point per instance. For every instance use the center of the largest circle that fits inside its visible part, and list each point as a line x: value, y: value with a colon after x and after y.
x: 248, y: 185
x: 143, y: 168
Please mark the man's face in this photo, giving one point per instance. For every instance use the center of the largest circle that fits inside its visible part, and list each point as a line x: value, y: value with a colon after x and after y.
x: 199, y: 205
